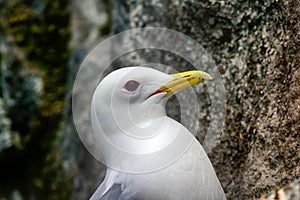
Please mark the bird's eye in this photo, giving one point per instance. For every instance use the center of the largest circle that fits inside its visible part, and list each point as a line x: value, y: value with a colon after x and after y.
x: 131, y: 85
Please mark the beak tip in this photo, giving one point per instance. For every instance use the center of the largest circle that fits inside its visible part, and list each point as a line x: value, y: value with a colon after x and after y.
x: 206, y: 76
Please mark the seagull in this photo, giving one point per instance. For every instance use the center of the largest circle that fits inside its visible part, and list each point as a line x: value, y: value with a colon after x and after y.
x: 149, y: 156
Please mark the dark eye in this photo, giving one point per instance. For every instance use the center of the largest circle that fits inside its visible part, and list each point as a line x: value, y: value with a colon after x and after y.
x: 131, y: 85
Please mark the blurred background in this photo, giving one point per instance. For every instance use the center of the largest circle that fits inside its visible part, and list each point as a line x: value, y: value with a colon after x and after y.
x: 255, y: 44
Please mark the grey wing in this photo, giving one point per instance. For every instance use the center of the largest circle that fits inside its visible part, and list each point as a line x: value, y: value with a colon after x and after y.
x: 112, y: 193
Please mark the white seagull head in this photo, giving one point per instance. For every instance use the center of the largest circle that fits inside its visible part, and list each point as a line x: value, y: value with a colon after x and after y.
x: 128, y: 109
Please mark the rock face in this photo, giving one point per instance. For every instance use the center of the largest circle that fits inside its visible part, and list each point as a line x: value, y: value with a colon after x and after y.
x: 291, y: 192
x: 32, y: 89
x: 6, y: 135
x: 255, y: 45
x: 89, y: 20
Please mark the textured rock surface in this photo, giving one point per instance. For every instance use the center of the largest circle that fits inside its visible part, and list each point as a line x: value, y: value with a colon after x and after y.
x: 33, y: 51
x: 88, y: 21
x: 290, y: 192
x: 6, y: 135
x: 20, y: 88
x: 256, y: 47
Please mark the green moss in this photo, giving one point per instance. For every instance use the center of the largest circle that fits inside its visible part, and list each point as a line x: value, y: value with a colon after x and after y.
x: 1, y: 94
x: 43, y: 37
x: 106, y: 28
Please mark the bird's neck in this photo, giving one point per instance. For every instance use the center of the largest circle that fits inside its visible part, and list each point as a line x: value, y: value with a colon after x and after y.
x: 136, y: 134
x: 146, y: 113
x: 129, y: 117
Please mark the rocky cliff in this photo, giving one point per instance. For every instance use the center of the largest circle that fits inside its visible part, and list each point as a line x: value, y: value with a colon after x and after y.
x: 255, y: 45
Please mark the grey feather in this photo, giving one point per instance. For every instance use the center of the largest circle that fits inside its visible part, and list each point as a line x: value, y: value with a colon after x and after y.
x: 114, y: 192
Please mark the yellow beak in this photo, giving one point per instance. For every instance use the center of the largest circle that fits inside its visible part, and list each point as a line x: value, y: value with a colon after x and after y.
x: 184, y: 80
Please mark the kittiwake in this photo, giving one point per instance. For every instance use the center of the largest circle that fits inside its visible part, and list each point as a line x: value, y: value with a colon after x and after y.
x: 149, y: 156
